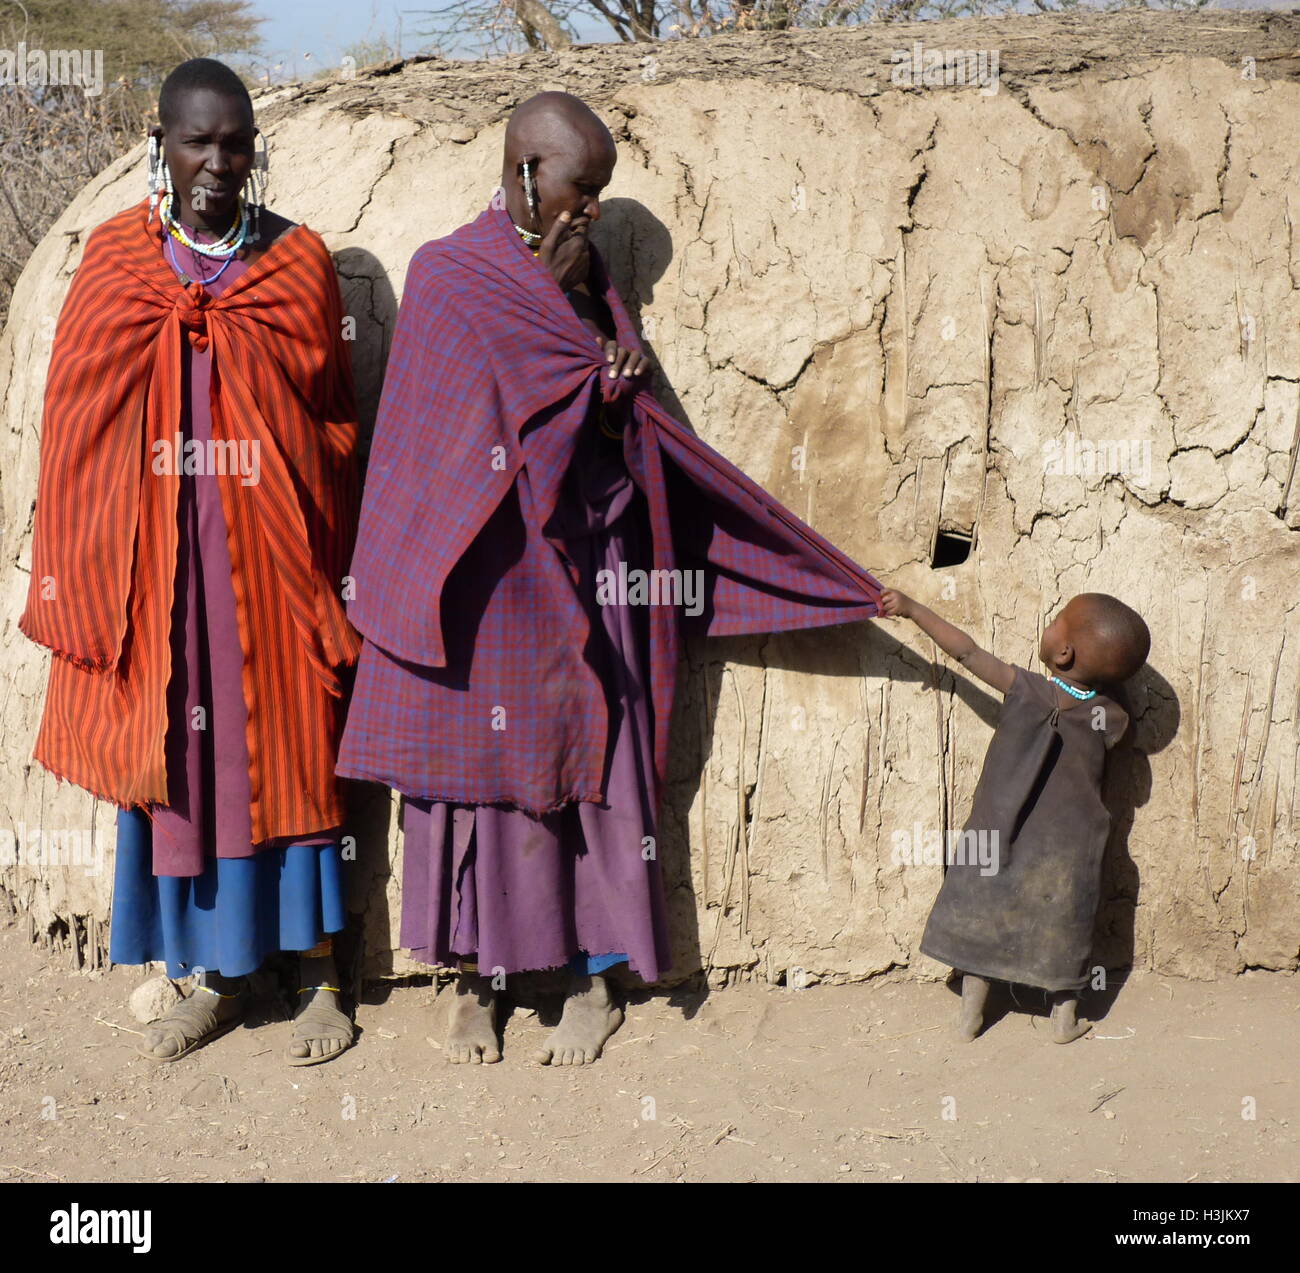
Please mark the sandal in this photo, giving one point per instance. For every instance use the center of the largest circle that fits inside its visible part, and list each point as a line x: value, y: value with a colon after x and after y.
x: 191, y: 1024
x: 317, y: 1019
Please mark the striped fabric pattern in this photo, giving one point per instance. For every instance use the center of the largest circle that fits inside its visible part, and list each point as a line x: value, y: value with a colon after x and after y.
x: 474, y: 685
x: 105, y: 537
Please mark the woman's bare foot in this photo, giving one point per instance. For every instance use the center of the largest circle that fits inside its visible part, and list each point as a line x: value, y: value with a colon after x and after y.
x: 214, y: 1008
x: 321, y: 1029
x: 590, y: 1017
x: 1066, y: 1027
x: 974, y: 995
x: 472, y: 1032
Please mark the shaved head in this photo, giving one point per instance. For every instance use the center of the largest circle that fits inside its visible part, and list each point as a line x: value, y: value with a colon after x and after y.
x: 552, y: 124
x: 1117, y: 638
x: 558, y: 150
x: 1096, y: 638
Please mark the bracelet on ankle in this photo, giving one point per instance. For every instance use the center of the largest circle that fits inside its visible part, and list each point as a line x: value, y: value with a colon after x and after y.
x: 304, y: 990
x: 210, y: 991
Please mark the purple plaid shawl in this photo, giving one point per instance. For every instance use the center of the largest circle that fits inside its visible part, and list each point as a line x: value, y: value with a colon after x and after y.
x: 473, y: 686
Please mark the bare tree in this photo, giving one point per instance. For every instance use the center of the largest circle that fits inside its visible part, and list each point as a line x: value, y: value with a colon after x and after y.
x: 540, y: 27
x: 496, y: 26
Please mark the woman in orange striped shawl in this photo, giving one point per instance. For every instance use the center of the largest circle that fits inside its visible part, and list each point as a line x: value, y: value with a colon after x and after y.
x: 194, y: 520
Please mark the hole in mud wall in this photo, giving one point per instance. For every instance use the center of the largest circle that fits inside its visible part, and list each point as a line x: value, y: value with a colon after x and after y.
x: 951, y: 548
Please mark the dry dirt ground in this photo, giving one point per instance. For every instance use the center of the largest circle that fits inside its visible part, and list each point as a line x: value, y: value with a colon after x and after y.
x: 834, y: 1083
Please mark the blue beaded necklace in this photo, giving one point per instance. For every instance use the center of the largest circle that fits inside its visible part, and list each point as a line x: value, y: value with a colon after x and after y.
x: 1082, y: 695
x: 185, y: 278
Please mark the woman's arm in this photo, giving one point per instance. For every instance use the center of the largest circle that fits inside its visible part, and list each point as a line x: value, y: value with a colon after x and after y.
x: 952, y: 641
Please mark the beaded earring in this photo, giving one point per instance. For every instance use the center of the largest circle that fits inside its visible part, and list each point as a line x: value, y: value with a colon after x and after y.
x: 530, y: 237
x: 256, y: 197
x: 156, y: 170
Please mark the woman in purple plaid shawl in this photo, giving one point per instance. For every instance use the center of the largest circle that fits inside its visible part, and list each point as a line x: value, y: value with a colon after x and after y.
x: 535, y: 532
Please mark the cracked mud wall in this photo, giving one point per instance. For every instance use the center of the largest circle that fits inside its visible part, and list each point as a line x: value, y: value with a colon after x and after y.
x: 896, y: 308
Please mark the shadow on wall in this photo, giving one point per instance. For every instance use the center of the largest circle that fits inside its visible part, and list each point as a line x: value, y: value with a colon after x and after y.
x: 1154, y: 715
x: 848, y: 652
x: 370, y: 304
x: 368, y: 300
x: 637, y: 249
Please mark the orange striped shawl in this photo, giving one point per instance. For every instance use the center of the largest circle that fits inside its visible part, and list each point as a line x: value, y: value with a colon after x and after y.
x: 105, y: 538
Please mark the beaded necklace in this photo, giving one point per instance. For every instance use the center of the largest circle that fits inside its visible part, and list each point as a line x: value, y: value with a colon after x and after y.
x: 1082, y: 695
x: 223, y: 248
x: 203, y: 280
x: 526, y: 235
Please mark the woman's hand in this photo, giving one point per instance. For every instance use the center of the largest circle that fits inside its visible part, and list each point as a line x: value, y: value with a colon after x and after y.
x: 627, y: 361
x: 895, y: 605
x: 565, y: 253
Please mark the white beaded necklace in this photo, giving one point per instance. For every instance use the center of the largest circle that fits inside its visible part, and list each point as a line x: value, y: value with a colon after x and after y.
x: 223, y: 248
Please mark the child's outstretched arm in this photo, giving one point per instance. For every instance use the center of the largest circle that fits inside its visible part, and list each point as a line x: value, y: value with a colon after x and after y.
x: 952, y: 641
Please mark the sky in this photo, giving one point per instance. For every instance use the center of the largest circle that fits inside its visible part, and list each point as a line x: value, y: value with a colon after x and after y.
x: 324, y: 28
x: 294, y: 29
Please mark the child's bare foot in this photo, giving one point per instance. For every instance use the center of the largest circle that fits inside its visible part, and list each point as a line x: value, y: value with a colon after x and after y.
x: 590, y: 1017
x: 472, y: 1032
x: 1066, y: 1027
x: 974, y: 995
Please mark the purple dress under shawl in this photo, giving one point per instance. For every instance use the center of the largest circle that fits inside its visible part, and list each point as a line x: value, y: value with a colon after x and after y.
x: 522, y: 892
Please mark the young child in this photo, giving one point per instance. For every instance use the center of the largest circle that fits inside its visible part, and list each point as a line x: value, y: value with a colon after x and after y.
x: 1029, y: 919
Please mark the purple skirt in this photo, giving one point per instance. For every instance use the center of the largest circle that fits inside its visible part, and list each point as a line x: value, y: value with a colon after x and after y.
x: 520, y: 892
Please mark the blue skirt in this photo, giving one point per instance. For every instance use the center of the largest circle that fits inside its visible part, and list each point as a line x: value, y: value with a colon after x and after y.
x: 230, y: 918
